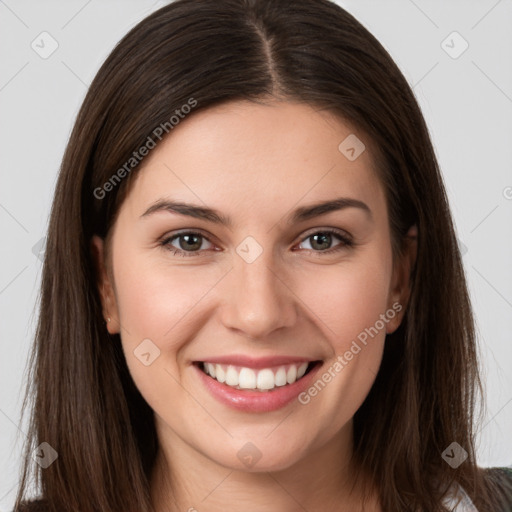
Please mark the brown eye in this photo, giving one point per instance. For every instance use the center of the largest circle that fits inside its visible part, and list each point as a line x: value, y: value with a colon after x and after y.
x: 190, y: 242
x: 321, y: 241
x: 186, y: 243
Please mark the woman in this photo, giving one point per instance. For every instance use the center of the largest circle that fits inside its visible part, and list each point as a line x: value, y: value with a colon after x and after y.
x: 252, y: 293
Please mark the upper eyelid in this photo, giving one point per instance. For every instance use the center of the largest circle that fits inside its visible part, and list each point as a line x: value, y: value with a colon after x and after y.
x: 173, y: 236
x: 335, y: 231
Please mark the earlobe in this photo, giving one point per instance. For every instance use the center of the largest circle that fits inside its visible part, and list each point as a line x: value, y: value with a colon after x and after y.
x: 104, y: 285
x: 401, y: 284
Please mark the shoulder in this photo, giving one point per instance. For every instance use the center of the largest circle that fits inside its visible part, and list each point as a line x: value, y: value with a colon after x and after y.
x: 499, y: 482
x: 501, y: 476
x: 498, y: 479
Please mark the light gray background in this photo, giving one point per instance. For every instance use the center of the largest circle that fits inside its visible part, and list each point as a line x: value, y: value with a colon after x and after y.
x: 467, y: 102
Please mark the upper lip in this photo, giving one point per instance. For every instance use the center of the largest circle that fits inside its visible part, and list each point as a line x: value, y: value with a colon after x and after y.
x: 257, y: 362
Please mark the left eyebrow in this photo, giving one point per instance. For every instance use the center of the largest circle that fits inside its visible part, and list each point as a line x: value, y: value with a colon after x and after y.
x: 308, y: 212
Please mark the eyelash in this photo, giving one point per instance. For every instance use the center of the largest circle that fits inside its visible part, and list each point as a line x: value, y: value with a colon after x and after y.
x: 346, y: 242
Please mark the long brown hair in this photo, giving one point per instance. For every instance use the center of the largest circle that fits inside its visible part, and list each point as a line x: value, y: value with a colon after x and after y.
x: 85, y: 404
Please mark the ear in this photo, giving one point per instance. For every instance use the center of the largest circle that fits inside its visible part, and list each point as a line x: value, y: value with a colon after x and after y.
x: 105, y: 285
x: 400, y: 289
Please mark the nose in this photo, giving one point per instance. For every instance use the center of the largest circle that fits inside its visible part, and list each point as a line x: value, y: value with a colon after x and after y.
x: 259, y: 299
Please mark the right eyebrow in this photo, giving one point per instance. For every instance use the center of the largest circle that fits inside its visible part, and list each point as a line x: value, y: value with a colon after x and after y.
x: 191, y: 210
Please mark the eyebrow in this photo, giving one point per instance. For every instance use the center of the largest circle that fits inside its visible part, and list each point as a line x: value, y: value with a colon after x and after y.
x: 299, y: 215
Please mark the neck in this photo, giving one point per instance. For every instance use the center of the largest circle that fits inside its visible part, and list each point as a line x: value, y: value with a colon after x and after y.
x: 323, y: 480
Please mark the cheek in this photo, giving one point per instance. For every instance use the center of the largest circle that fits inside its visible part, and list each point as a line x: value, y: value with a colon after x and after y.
x: 349, y: 297
x: 156, y: 303
x: 157, y: 300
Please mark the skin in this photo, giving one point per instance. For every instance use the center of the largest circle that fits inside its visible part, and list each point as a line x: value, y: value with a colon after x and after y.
x: 254, y: 163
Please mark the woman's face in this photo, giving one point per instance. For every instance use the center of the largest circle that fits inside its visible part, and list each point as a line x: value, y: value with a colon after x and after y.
x: 249, y: 278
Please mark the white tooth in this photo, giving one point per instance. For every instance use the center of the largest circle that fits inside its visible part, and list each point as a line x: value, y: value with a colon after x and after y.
x: 220, y: 374
x: 280, y: 378
x: 211, y: 369
x: 291, y: 375
x: 247, y: 379
x: 265, y: 379
x: 231, y: 377
x: 301, y: 370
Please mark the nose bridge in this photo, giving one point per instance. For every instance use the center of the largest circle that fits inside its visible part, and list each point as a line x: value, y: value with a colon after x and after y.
x: 259, y: 301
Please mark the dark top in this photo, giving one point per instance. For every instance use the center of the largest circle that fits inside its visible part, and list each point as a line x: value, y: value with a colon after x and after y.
x: 500, y: 476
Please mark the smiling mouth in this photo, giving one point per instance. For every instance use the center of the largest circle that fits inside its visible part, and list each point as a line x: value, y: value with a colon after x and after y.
x: 262, y: 379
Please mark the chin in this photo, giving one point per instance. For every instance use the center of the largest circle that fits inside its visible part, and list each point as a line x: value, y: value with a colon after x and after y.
x: 259, y: 454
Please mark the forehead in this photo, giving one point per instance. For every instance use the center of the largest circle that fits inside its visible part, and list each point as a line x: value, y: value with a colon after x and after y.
x: 254, y: 158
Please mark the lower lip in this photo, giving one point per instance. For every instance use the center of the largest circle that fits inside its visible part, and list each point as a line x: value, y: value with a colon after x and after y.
x: 256, y: 401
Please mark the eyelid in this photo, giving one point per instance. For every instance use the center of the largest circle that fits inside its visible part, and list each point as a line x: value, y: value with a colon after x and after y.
x: 339, y: 232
